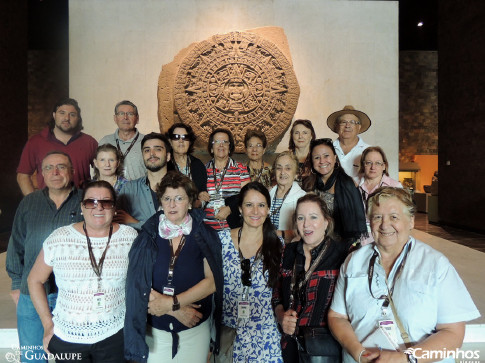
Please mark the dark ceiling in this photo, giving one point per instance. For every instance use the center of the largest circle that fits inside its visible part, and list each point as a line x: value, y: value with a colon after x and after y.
x: 49, y: 24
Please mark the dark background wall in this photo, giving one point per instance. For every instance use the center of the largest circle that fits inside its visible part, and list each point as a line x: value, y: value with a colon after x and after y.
x: 461, y: 73
x: 34, y: 74
x: 13, y: 102
x: 418, y: 104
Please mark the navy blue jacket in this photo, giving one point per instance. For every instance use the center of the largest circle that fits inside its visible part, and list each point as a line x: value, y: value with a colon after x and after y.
x: 142, y: 257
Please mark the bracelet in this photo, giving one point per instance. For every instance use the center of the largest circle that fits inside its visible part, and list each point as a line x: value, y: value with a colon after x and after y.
x: 360, y: 355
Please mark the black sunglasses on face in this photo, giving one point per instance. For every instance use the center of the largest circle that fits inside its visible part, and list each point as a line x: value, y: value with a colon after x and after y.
x: 246, y: 272
x: 179, y: 137
x: 93, y: 203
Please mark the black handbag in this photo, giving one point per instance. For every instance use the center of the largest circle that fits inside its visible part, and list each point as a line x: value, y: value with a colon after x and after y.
x: 319, y: 342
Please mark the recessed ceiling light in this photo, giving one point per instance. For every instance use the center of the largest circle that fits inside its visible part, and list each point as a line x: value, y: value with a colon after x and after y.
x: 420, y: 23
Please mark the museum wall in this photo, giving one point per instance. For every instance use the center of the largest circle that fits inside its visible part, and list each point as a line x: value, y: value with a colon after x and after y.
x: 461, y: 113
x: 343, y: 52
x: 13, y: 103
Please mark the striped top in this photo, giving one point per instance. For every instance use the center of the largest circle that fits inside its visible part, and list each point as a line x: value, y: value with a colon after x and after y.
x: 235, y: 175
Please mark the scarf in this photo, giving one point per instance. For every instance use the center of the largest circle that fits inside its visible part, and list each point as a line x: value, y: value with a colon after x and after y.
x: 349, y: 215
x: 168, y: 230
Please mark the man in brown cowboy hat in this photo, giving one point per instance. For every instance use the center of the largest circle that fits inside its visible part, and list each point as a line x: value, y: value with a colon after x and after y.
x: 348, y: 124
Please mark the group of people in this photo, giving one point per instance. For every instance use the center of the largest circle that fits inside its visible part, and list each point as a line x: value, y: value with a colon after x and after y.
x: 158, y: 257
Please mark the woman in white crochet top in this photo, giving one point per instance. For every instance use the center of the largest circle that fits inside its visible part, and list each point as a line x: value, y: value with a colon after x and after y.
x: 89, y: 260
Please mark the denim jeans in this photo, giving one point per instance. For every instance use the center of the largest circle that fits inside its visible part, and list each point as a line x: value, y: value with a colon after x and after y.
x: 30, y: 329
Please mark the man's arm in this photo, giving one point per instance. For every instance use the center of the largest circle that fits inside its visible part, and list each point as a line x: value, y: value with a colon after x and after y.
x: 25, y: 183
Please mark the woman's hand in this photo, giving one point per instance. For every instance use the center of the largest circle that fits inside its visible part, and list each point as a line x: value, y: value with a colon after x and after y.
x: 123, y: 217
x: 188, y: 315
x: 48, y: 334
x: 204, y: 196
x: 288, y: 323
x: 223, y: 213
x: 383, y: 356
x: 159, y: 304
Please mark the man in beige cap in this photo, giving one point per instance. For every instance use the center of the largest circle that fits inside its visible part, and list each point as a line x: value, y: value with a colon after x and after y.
x: 348, y: 124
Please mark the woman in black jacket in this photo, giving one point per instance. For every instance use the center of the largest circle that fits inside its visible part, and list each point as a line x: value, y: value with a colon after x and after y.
x: 175, y: 267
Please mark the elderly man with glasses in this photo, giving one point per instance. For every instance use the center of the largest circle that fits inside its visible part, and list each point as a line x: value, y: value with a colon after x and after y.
x: 38, y: 214
x: 348, y: 124
x: 127, y: 139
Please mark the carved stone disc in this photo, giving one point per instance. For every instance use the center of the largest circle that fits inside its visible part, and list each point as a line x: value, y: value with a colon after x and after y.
x: 238, y: 81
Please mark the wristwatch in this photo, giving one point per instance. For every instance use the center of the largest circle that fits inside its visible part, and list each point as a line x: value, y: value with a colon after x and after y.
x: 176, y: 304
x: 411, y: 357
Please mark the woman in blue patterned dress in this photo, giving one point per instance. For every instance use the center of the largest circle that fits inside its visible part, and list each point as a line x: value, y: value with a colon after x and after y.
x: 251, y: 256
x: 108, y: 166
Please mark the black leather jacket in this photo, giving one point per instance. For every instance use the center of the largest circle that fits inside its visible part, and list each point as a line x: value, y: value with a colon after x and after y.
x: 139, y: 281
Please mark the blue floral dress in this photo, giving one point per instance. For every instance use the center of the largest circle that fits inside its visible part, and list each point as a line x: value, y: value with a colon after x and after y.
x: 257, y: 338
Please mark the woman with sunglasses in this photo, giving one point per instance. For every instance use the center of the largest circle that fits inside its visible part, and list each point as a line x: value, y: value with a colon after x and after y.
x: 90, y: 261
x: 398, y: 299
x: 374, y: 173
x: 175, y: 267
x: 328, y: 180
x: 309, y: 270
x: 225, y: 178
x: 251, y: 256
x: 108, y: 165
x: 182, y: 139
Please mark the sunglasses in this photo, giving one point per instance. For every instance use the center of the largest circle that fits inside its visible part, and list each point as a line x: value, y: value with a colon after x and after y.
x: 93, y: 203
x: 179, y: 137
x: 246, y: 272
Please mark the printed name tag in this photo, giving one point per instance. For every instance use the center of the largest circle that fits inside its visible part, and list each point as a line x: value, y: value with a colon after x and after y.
x: 99, y: 301
x: 243, y: 309
x: 389, y: 329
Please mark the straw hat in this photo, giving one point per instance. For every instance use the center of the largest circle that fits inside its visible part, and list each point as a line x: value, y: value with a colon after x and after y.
x: 364, y: 119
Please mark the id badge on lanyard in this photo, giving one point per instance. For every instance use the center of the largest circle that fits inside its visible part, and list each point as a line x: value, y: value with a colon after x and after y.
x: 217, y: 202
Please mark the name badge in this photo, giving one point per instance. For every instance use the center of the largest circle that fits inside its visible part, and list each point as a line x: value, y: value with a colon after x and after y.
x: 243, y: 309
x: 169, y: 290
x: 389, y: 329
x: 99, y: 301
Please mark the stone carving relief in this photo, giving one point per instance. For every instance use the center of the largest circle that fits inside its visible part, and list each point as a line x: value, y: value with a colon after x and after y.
x: 238, y: 80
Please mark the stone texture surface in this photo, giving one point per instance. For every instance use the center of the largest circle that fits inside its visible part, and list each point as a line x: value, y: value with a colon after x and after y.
x: 418, y: 104
x: 238, y: 80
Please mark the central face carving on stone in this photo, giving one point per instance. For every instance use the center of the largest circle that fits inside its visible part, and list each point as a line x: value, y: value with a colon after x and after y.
x: 238, y: 81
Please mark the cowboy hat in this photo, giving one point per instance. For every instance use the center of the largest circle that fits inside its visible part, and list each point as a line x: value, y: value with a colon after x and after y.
x: 364, y: 119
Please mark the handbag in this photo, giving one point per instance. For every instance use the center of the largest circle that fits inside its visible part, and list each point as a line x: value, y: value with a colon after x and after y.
x: 228, y: 335
x: 319, y: 342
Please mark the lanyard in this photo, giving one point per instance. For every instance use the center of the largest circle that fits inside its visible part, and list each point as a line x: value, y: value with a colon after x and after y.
x: 173, y: 258
x: 187, y: 167
x: 129, y: 147
x: 241, y: 258
x: 222, y: 175
x: 295, y: 288
x: 277, y: 210
x: 390, y: 291
x: 97, y: 267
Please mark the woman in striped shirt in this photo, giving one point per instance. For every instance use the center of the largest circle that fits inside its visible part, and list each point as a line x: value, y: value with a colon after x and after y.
x: 225, y: 178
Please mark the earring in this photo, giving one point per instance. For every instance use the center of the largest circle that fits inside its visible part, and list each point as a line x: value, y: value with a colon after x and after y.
x: 81, y: 213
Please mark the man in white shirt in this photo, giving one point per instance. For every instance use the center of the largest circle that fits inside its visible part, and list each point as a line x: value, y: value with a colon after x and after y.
x: 348, y: 124
x: 127, y: 139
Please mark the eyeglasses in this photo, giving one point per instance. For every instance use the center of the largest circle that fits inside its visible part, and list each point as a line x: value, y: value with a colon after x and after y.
x: 180, y: 137
x: 93, y: 203
x: 178, y: 199
x: 256, y: 146
x: 348, y: 122
x: 376, y: 163
x: 223, y: 142
x: 58, y: 167
x: 122, y: 114
x: 246, y: 272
